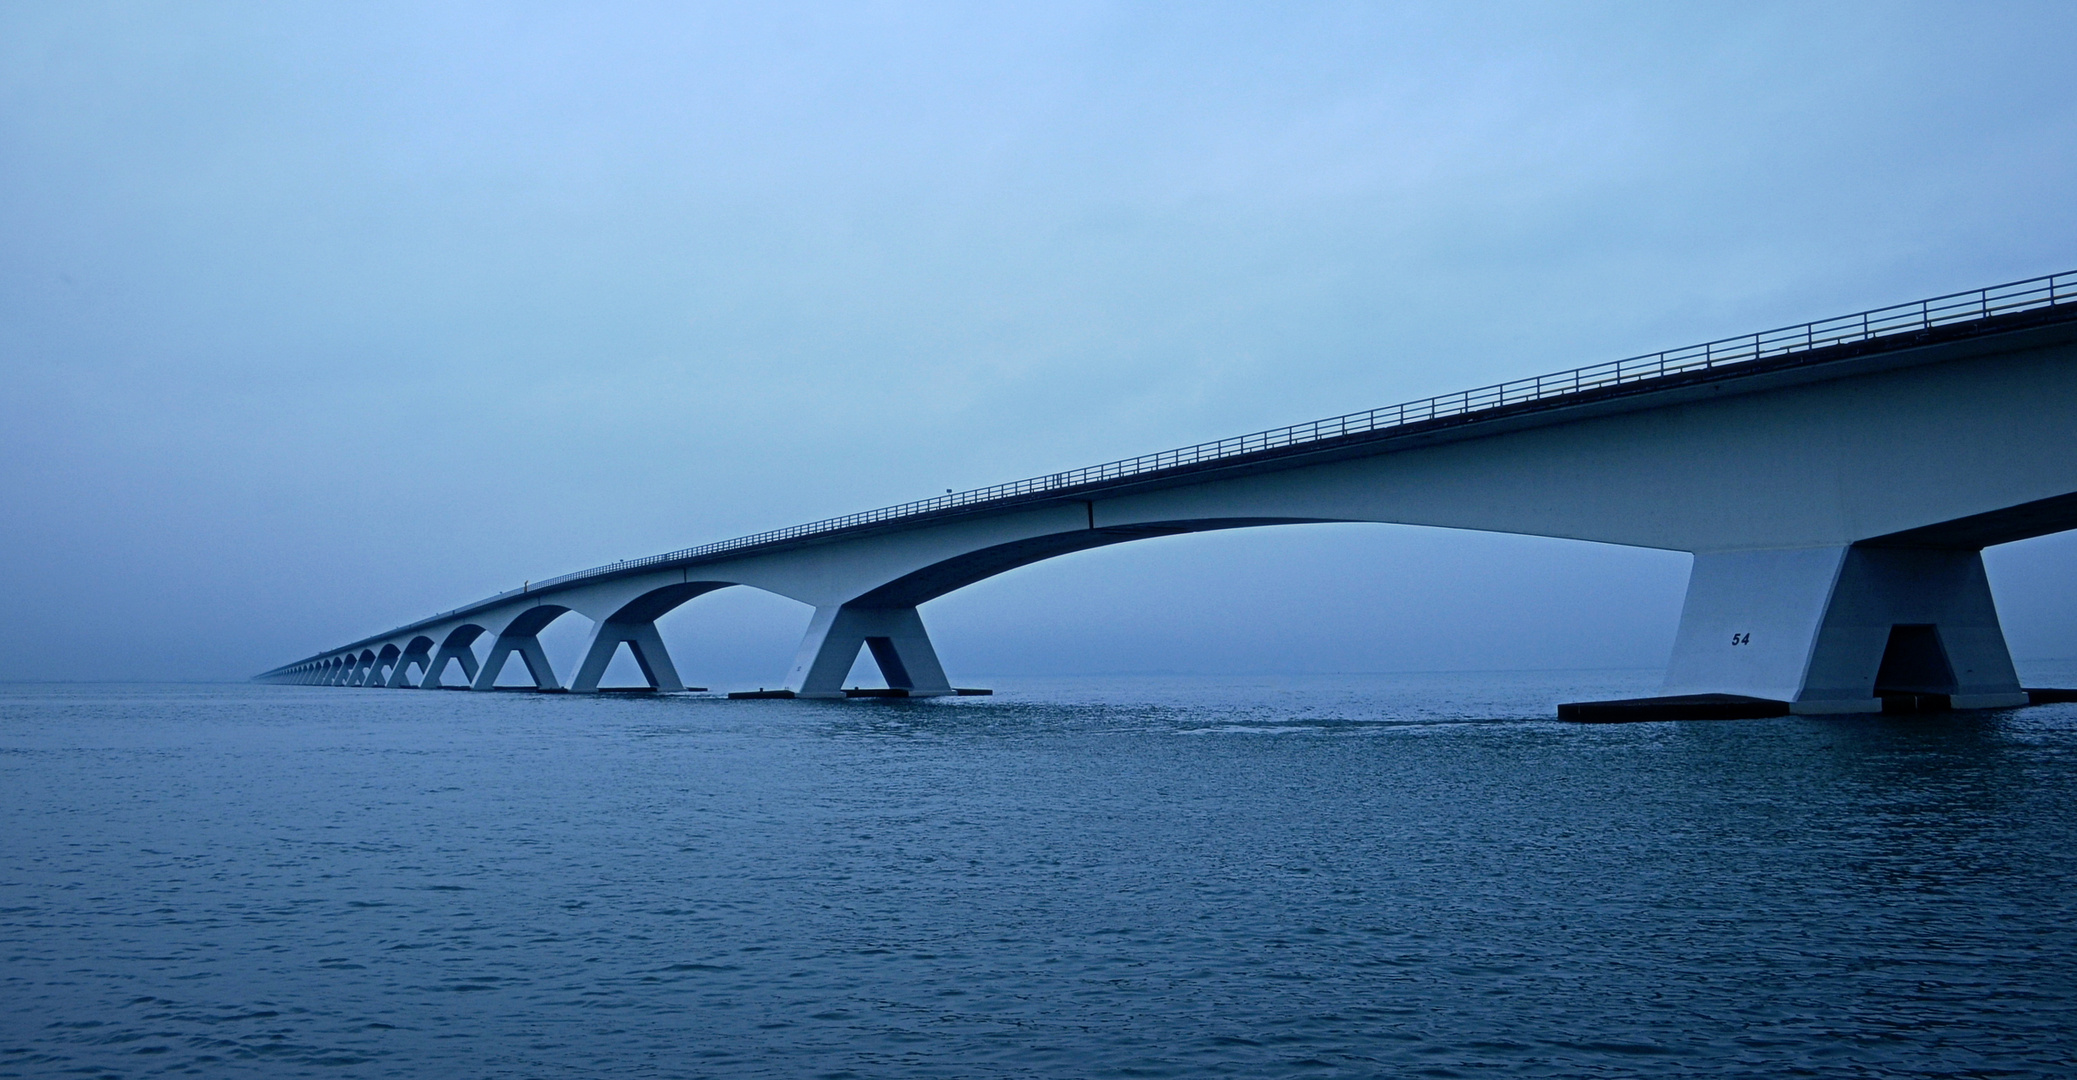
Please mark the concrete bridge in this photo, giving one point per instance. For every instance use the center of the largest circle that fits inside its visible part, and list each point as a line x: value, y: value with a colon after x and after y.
x: 1836, y: 482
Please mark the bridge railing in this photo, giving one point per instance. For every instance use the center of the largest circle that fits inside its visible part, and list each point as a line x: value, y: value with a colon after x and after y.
x: 1962, y: 307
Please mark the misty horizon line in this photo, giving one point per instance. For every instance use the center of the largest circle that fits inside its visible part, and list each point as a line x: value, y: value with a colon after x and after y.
x: 1139, y: 674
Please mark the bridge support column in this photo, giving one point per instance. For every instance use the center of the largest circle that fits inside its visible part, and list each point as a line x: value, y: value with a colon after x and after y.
x: 400, y: 679
x: 895, y: 635
x: 642, y: 640
x: 453, y: 650
x: 1833, y: 629
x: 529, y: 649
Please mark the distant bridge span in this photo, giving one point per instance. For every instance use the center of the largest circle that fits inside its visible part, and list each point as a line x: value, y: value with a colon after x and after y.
x: 1836, y: 482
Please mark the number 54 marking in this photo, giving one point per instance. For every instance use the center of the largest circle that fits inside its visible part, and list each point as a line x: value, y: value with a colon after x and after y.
x: 1741, y: 639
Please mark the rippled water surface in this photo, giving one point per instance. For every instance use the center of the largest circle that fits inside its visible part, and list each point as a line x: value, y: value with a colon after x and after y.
x: 1383, y: 876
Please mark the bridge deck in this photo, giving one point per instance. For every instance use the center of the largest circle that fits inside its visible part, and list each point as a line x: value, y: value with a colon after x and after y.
x: 1804, y: 351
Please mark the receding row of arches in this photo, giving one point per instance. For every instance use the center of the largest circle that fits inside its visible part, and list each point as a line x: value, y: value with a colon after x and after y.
x: 881, y: 620
x: 426, y: 661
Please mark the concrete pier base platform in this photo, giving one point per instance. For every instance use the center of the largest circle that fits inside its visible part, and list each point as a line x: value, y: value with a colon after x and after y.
x: 1740, y: 707
x: 860, y: 692
x: 1678, y: 707
x: 897, y: 692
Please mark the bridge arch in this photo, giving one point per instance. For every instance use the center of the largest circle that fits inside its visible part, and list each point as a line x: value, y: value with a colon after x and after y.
x: 883, y: 618
x: 385, y: 665
x: 520, y: 636
x: 959, y: 571
x: 456, y: 647
x: 633, y: 623
x: 419, y: 652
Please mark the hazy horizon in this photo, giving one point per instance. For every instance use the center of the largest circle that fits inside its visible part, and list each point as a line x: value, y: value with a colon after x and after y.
x: 318, y: 321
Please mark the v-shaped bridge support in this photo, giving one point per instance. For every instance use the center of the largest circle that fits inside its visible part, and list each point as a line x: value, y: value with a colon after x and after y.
x: 895, y: 635
x: 643, y: 641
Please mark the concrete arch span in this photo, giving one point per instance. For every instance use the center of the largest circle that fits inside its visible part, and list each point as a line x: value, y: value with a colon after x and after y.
x: 633, y: 624
x: 386, y: 665
x: 885, y: 621
x: 418, y: 652
x: 950, y: 575
x: 860, y: 603
x: 519, y: 636
x: 622, y: 615
x: 457, y: 645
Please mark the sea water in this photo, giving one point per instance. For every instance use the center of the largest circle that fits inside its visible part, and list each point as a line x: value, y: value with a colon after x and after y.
x: 1321, y: 876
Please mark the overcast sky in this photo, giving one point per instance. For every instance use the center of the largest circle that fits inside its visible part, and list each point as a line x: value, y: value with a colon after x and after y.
x: 315, y: 319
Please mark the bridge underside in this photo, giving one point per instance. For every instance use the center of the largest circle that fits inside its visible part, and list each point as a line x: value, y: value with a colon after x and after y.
x: 1817, y: 629
x: 1836, y: 517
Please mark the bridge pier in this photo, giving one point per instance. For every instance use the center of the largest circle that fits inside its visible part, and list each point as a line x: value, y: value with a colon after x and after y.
x: 419, y: 654
x: 900, y: 646
x: 1834, y: 629
x: 388, y: 663
x: 459, y: 646
x: 642, y: 640
x: 529, y: 649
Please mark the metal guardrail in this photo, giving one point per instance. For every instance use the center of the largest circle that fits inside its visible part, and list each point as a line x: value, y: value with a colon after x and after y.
x: 1919, y: 315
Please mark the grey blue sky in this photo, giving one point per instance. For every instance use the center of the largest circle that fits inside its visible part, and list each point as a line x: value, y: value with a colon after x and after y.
x: 317, y: 318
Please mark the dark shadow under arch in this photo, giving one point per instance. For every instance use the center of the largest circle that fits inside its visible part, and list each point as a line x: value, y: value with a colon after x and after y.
x: 958, y: 572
